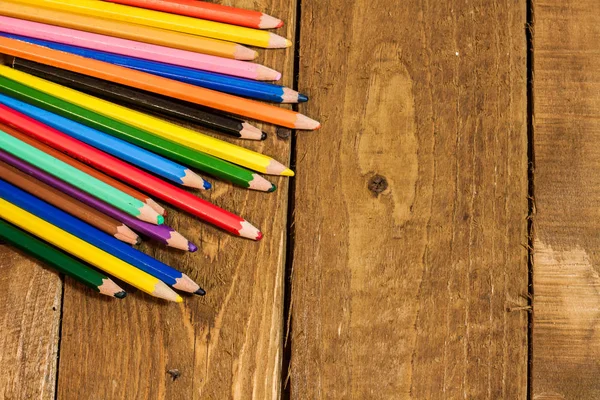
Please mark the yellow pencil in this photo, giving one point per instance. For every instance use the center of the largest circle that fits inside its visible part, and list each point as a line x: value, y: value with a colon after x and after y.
x: 157, y: 19
x: 85, y: 251
x: 158, y: 127
x: 146, y: 34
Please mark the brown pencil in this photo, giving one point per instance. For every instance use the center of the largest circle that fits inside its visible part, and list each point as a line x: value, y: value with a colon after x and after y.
x: 83, y: 167
x: 68, y: 204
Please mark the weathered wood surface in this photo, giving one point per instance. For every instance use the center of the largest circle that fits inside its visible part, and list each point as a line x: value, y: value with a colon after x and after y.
x: 30, y: 299
x: 404, y: 293
x: 566, y: 328
x: 227, y: 345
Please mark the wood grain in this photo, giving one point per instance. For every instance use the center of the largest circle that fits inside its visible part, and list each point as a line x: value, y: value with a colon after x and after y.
x: 566, y: 329
x: 402, y: 291
x: 30, y: 302
x: 226, y: 345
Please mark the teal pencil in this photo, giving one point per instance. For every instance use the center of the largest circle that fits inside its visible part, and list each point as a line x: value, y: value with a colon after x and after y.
x: 73, y: 176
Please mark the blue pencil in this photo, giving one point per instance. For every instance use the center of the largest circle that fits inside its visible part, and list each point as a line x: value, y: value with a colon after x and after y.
x: 109, y: 144
x: 97, y: 238
x: 210, y: 80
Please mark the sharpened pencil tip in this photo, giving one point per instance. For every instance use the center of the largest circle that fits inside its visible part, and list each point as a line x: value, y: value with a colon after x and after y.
x: 207, y: 185
x: 192, y: 248
x: 249, y: 231
x: 200, y: 292
x: 268, y: 22
x: 259, y: 236
x: 273, y: 188
x: 287, y: 172
x: 179, y: 299
x: 121, y: 294
x: 263, y: 136
x: 160, y: 220
x: 302, y: 98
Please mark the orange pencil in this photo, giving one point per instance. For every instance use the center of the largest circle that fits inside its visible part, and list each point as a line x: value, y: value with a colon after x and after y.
x: 83, y: 167
x: 152, y: 83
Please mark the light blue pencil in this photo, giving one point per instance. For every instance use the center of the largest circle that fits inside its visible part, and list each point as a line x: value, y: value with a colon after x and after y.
x: 111, y: 145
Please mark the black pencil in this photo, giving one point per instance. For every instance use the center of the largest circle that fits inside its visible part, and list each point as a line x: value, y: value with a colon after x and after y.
x: 126, y: 96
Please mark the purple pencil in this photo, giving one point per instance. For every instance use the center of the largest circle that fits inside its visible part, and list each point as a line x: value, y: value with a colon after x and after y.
x: 161, y: 233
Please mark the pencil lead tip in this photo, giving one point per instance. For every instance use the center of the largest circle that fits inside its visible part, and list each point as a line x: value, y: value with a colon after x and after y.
x: 287, y: 172
x: 200, y: 292
x: 207, y: 185
x: 192, y: 248
x: 302, y: 98
x: 179, y: 299
x: 160, y: 220
x: 273, y: 188
x: 288, y: 43
x: 121, y: 295
x: 279, y: 25
x: 259, y: 236
x: 263, y: 136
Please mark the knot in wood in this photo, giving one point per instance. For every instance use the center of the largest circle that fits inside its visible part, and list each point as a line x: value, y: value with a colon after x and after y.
x: 377, y: 184
x: 283, y: 133
x: 174, y: 374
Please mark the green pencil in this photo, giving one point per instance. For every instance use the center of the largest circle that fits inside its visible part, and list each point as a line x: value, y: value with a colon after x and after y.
x: 192, y: 158
x: 75, y: 177
x: 59, y: 260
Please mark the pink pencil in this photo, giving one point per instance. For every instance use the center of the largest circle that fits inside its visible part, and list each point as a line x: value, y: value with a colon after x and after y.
x: 132, y: 48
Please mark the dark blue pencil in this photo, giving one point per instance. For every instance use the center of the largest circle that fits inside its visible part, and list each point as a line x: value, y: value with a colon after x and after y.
x: 97, y: 238
x: 119, y: 148
x: 210, y: 80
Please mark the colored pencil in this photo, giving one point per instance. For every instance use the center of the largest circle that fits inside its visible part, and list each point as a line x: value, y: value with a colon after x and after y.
x: 66, y: 203
x: 210, y: 11
x: 69, y: 174
x: 82, y: 167
x: 223, y: 83
x: 161, y: 233
x: 161, y: 37
x: 96, y: 238
x: 156, y: 126
x: 211, y: 165
x: 127, y: 96
x: 168, y: 87
x: 104, y: 162
x: 59, y: 260
x: 109, y: 144
x: 139, y: 50
x: 86, y: 252
x: 156, y: 19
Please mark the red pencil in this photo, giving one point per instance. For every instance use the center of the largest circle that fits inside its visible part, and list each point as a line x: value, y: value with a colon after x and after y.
x: 130, y: 174
x: 210, y: 11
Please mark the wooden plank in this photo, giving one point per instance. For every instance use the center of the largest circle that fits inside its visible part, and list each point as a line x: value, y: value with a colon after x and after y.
x: 566, y: 329
x: 410, y: 218
x: 30, y: 299
x: 225, y: 345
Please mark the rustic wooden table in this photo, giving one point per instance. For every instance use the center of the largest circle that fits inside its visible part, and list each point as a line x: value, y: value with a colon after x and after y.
x: 439, y: 240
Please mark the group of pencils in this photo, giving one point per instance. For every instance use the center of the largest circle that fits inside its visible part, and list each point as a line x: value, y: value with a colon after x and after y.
x: 87, y: 92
